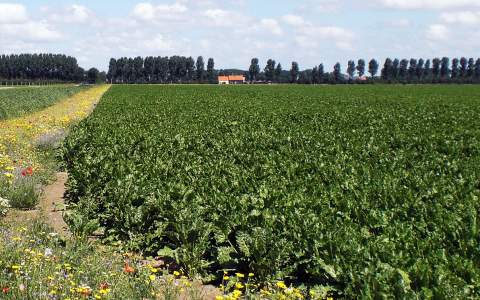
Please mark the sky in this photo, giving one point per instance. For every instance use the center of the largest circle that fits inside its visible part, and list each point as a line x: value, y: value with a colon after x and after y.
x: 309, y: 32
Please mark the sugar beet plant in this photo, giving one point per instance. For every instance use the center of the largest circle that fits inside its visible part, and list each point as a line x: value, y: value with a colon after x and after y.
x: 373, y: 191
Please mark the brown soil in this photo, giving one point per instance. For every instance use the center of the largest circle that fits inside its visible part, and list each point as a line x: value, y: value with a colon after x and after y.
x: 52, y: 204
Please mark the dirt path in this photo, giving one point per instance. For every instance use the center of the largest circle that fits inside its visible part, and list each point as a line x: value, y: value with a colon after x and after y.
x: 52, y: 205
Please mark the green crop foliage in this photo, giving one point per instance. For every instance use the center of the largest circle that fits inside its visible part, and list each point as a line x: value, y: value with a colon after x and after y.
x: 16, y: 102
x: 372, y: 190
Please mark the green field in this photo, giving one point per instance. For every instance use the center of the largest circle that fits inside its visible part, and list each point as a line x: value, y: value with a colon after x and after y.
x: 371, y: 190
x: 16, y: 102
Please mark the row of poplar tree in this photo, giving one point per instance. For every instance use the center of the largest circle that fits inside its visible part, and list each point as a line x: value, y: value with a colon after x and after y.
x: 33, y: 67
x: 181, y: 69
x: 175, y: 69
x: 437, y: 70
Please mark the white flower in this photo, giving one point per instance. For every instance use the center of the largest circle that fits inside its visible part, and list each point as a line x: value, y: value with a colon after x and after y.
x: 48, y: 252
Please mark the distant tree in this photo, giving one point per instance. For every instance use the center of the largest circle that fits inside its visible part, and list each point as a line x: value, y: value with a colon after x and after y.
x: 315, y: 75
x: 463, y: 67
x: 419, y: 71
x: 270, y: 70
x: 373, y: 68
x: 278, y: 72
x: 191, y: 74
x: 138, y: 69
x: 200, y: 67
x: 455, y: 70
x: 444, y: 68
x: 395, y: 68
x: 351, y: 69
x: 476, y: 73
x: 294, y: 72
x: 254, y: 69
x: 426, y: 71
x: 412, y: 69
x: 436, y: 68
x: 211, y: 70
x: 93, y: 75
x: 471, y: 68
x: 112, y: 70
x: 161, y: 69
x: 387, y: 71
x: 361, y: 67
x: 148, y: 68
x: 337, y: 73
x: 321, y: 73
x: 402, y: 70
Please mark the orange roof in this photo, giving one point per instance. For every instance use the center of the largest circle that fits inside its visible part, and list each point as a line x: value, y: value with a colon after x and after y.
x: 231, y: 78
x: 236, y: 77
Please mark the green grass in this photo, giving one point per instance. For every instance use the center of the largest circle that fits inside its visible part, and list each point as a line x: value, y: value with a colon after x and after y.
x: 17, y: 102
x: 371, y: 190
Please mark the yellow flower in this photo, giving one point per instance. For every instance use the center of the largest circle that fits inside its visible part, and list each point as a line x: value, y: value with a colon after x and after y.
x: 15, y: 267
x: 154, y: 270
x: 98, y: 297
x: 312, y: 293
x: 226, y: 277
x: 281, y: 285
x: 9, y: 175
x: 219, y: 298
x: 237, y: 293
x: 251, y: 274
x: 239, y: 275
x: 176, y: 273
x: 239, y: 285
x: 104, y: 291
x: 152, y: 277
x: 16, y: 239
x: 329, y: 298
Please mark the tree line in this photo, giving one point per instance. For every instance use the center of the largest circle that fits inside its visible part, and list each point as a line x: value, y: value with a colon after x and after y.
x: 174, y: 69
x: 44, y: 67
x: 437, y: 70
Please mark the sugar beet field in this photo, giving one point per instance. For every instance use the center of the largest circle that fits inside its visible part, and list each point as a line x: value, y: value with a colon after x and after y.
x: 371, y: 191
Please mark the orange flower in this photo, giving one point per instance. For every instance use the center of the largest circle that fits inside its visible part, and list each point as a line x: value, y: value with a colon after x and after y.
x: 128, y: 269
x: 5, y: 290
x: 104, y: 286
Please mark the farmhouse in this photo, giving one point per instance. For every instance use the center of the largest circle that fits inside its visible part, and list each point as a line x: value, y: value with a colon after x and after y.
x: 231, y: 79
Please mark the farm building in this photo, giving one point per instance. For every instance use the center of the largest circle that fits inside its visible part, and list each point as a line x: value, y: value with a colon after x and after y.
x: 231, y: 79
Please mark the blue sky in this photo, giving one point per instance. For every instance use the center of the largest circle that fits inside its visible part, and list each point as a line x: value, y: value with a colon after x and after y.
x: 307, y: 31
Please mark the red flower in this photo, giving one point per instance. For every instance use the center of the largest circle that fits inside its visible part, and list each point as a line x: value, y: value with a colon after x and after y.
x: 128, y: 269
x: 27, y: 172
x: 5, y: 290
x: 104, y: 286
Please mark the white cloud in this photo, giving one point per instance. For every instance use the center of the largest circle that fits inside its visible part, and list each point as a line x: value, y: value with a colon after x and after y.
x: 294, y: 20
x: 225, y: 18
x: 272, y: 25
x: 461, y: 17
x: 30, y: 31
x: 11, y: 13
x: 149, y: 12
x: 311, y: 36
x: 437, y: 32
x: 78, y: 14
x: 158, y: 43
x: 72, y: 14
x: 429, y: 4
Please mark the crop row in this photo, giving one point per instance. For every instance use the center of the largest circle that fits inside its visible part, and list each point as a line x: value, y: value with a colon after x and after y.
x: 16, y: 102
x: 372, y: 191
